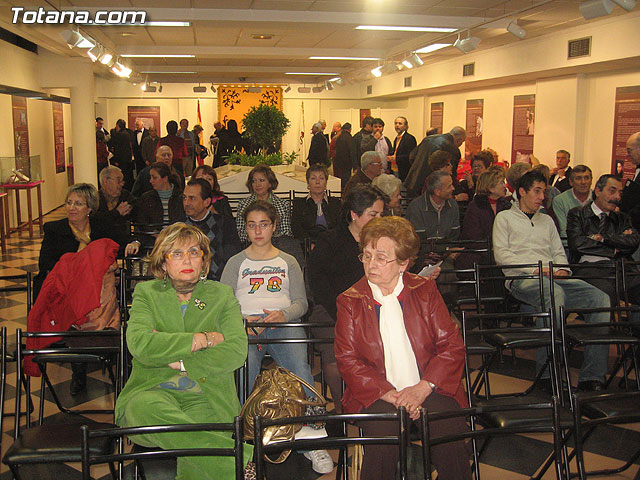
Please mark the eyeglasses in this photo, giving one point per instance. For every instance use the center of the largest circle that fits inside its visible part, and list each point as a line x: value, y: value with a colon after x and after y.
x: 178, y: 255
x: 70, y: 204
x: 262, y: 225
x: 377, y: 259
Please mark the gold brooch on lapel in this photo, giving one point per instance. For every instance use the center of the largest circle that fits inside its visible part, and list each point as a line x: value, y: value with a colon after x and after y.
x: 369, y: 306
x: 199, y: 303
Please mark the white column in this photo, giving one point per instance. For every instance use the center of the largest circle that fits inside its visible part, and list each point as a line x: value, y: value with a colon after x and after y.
x: 83, y: 132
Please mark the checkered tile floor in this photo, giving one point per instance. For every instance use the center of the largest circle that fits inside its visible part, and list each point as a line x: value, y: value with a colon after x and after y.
x: 506, y: 458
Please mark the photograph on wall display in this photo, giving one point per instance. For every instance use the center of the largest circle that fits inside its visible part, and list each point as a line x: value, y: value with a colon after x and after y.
x: 150, y: 117
x: 524, y: 110
x: 436, y: 117
x: 58, y: 136
x: 21, y: 134
x: 626, y: 121
x: 364, y: 112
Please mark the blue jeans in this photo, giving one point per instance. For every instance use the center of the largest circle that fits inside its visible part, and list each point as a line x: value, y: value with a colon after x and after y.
x: 292, y: 356
x: 570, y: 293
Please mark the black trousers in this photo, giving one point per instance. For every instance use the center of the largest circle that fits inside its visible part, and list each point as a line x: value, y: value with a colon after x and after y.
x: 451, y: 459
x: 594, y: 276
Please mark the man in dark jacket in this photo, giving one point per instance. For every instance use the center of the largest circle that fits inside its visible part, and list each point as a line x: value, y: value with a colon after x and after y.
x: 319, y: 149
x: 598, y: 235
x: 419, y: 157
x: 120, y: 146
x: 630, y: 203
x: 403, y: 145
x: 363, y: 141
x: 344, y: 158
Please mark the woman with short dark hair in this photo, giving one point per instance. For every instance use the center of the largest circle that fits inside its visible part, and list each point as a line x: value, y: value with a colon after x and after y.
x: 317, y: 212
x: 261, y: 183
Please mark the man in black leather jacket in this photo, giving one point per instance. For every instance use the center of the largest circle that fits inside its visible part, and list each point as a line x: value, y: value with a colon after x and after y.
x: 598, y: 235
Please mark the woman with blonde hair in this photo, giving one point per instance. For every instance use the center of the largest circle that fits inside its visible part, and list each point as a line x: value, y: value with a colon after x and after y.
x: 186, y: 338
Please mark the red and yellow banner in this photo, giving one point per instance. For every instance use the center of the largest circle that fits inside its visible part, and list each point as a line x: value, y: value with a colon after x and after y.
x: 235, y: 102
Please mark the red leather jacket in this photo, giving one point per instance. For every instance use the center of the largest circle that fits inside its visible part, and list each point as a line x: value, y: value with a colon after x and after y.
x: 435, y: 338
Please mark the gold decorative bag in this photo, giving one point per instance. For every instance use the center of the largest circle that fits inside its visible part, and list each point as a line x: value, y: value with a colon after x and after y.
x: 278, y: 393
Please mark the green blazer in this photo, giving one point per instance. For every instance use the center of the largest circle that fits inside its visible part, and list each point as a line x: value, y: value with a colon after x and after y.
x: 157, y: 335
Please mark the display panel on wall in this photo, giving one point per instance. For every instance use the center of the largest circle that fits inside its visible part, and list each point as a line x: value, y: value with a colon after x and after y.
x: 364, y: 113
x: 150, y: 116
x: 437, y: 116
x: 58, y: 136
x: 21, y: 133
x: 524, y: 110
x: 626, y: 121
x: 235, y: 102
x: 473, y: 142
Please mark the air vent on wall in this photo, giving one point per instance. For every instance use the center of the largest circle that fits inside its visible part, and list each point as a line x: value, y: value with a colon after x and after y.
x: 468, y: 69
x: 407, y: 81
x: 369, y: 89
x: 580, y: 47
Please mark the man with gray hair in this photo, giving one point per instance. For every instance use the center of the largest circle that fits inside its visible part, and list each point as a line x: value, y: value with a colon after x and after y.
x: 116, y: 204
x: 630, y: 203
x: 436, y: 212
x: 419, y: 158
x: 371, y: 168
x: 319, y: 149
x: 164, y: 154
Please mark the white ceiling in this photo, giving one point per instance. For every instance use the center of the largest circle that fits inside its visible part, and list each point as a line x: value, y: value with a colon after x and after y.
x: 220, y: 35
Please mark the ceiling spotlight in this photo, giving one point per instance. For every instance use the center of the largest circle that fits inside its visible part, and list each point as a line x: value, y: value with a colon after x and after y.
x: 626, y: 4
x: 288, y: 89
x: 596, y: 8
x: 106, y: 59
x: 304, y: 89
x: 213, y: 89
x: 376, y: 72
x: 94, y: 53
x: 76, y: 39
x: 150, y: 89
x: 337, y: 80
x: 413, y: 60
x: 143, y: 87
x: 514, y: 29
x: 328, y: 86
x: 199, y: 89
x: 121, y: 70
x: 468, y: 44
x: 390, y: 68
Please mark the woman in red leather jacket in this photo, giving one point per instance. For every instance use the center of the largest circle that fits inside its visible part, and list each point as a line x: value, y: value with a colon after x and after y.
x: 396, y: 345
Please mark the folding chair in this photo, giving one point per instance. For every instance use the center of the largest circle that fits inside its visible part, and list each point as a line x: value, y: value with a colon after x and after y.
x: 552, y: 425
x: 95, y: 347
x: 341, y: 442
x: 94, y: 456
x: 45, y: 443
x: 591, y: 410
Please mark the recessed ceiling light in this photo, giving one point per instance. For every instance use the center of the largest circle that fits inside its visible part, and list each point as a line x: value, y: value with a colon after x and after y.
x: 171, y: 73
x: 433, y: 47
x: 157, y: 56
x: 345, y: 58
x: 406, y: 29
x: 262, y: 36
x: 311, y: 73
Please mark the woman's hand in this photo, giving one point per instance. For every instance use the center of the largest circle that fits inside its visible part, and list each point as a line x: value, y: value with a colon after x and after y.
x: 274, y: 316
x: 216, y: 338
x: 131, y: 248
x: 413, y: 397
x: 435, y: 273
x: 199, y: 342
x: 175, y: 365
x: 390, y: 397
x: 255, y: 330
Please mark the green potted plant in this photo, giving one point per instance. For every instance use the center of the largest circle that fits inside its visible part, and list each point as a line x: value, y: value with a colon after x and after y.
x: 265, y: 125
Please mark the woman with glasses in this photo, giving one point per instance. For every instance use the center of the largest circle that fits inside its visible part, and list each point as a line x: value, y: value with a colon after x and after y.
x: 261, y: 183
x: 396, y: 346
x: 268, y: 284
x: 72, y: 234
x: 186, y: 338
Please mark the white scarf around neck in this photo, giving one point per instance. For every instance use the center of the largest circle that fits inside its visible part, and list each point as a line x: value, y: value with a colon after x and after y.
x: 399, y: 360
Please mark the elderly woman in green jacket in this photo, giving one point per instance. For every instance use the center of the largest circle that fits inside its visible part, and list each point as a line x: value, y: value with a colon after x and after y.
x: 186, y: 337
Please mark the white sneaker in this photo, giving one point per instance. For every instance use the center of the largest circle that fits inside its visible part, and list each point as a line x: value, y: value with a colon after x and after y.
x: 321, y: 461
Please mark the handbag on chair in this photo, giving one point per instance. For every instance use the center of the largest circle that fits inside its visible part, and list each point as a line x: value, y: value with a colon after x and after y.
x: 278, y: 393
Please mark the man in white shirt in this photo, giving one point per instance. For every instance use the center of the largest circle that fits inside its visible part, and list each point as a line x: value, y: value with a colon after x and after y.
x: 522, y: 235
x: 561, y: 174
